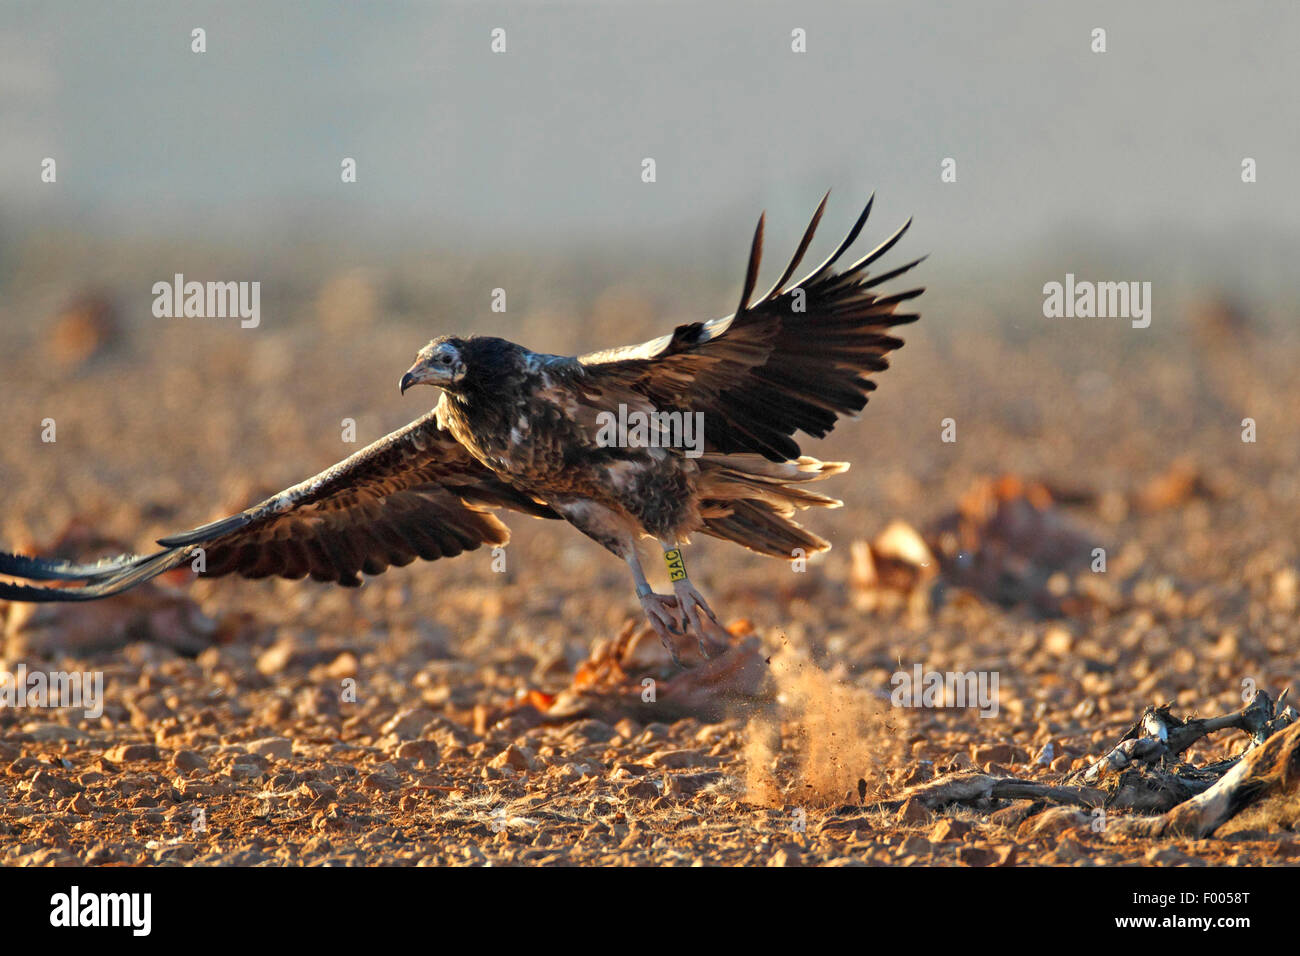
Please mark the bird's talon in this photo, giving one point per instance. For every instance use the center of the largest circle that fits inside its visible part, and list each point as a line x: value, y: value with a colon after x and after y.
x: 701, y: 617
x: 660, y: 612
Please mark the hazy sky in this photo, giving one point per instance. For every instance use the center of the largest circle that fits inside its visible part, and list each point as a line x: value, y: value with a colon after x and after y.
x: 545, y: 142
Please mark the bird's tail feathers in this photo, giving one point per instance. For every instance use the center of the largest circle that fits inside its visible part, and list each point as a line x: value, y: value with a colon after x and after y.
x: 731, y: 477
x: 751, y: 500
x: 756, y: 526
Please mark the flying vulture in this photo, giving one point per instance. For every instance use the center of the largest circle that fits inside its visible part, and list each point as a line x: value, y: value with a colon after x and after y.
x: 713, y: 408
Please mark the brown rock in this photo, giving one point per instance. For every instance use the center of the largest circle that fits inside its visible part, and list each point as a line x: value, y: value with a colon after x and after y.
x: 315, y: 795
x: 960, y: 761
x: 409, y: 724
x: 515, y: 757
x: 45, y: 783
x: 976, y: 856
x: 1167, y: 856
x: 422, y: 753
x: 188, y: 760
x: 273, y: 748
x: 591, y: 731
x: 133, y: 753
x: 913, y: 811
x: 1013, y: 815
x: 915, y: 846
x: 318, y: 703
x: 641, y: 790
x: 788, y: 855
x: 248, y: 766
x: 343, y: 666
x: 80, y: 804
x: 949, y: 829
x: 188, y: 789
x: 1071, y: 851
x: 383, y: 779
x: 994, y: 753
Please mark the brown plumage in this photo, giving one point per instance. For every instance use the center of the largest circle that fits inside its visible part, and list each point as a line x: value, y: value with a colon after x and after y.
x: 532, y: 433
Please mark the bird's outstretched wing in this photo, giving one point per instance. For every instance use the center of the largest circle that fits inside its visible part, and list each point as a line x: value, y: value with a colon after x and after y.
x: 794, y: 360
x: 415, y: 493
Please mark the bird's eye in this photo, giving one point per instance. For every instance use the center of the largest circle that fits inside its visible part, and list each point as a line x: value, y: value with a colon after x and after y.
x: 446, y: 360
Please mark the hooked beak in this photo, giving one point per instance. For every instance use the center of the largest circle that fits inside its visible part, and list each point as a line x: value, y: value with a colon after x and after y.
x: 420, y: 373
x: 437, y: 370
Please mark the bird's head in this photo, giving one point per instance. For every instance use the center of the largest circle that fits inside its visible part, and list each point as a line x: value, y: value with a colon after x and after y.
x: 440, y: 363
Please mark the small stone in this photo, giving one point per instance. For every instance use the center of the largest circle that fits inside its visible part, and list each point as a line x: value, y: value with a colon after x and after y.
x: 100, y: 854
x: 383, y: 778
x: 994, y: 753
x: 318, y: 703
x: 915, y: 846
x: 188, y: 789
x: 1058, y: 642
x: 409, y: 724
x: 1167, y: 856
x: 641, y: 790
x: 517, y: 758
x: 948, y: 829
x: 916, y: 773
x: 976, y: 856
x: 80, y: 804
x: 47, y: 784
x: 1071, y: 851
x: 788, y: 855
x: 188, y: 760
x: 277, y: 657
x: 913, y: 811
x: 422, y: 753
x: 1014, y: 815
x: 273, y: 748
x: 315, y: 795
x: 247, y: 766
x: 133, y: 753
x: 960, y: 761
x: 343, y: 666
x: 591, y: 731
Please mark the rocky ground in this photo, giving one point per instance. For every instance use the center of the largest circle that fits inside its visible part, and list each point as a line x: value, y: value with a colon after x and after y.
x: 510, y: 712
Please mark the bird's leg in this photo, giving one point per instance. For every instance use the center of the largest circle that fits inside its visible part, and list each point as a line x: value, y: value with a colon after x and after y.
x: 659, y: 610
x: 690, y: 601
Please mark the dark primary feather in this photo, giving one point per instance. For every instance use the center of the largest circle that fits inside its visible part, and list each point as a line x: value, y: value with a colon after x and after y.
x: 769, y: 371
x: 415, y: 493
